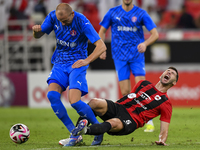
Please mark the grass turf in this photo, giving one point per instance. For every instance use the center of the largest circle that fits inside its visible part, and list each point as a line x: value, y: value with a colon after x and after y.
x: 46, y: 130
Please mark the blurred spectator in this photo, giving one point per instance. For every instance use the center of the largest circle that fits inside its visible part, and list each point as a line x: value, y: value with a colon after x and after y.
x: 40, y: 8
x: 168, y: 20
x: 153, y: 14
x: 90, y: 10
x: 172, y: 22
x: 104, y: 6
x: 17, y: 13
x: 197, y: 22
x: 186, y: 20
x: 161, y: 5
x: 4, y: 13
x: 149, y: 3
x: 193, y: 7
x: 51, y: 5
x: 175, y: 5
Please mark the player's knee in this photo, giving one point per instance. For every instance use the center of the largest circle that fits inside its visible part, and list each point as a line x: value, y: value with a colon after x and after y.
x: 93, y: 103
x: 53, y: 96
x: 116, y: 124
x: 125, y: 92
x: 99, y: 106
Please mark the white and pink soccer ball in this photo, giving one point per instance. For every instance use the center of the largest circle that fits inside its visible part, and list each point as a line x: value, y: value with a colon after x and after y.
x: 19, y: 133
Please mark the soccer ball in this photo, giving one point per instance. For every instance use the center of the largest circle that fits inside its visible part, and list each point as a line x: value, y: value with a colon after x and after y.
x: 19, y: 133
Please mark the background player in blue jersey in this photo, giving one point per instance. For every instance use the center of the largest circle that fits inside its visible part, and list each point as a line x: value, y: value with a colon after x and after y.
x: 70, y: 63
x: 128, y: 44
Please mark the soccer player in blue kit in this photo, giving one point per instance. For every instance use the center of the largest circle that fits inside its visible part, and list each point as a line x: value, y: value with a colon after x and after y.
x: 70, y: 62
x: 128, y: 44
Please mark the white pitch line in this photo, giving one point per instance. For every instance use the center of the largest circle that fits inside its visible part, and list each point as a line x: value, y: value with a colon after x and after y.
x: 75, y: 147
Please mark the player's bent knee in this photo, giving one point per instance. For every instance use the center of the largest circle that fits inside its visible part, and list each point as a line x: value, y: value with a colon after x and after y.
x: 98, y: 105
x: 93, y: 103
x: 125, y: 93
x: 116, y: 124
x: 53, y: 96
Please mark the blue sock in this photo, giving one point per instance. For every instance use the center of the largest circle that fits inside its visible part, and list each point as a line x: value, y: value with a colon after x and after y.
x: 59, y: 109
x: 85, y: 110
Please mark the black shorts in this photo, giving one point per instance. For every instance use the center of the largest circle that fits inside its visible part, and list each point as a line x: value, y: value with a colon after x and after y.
x: 118, y: 111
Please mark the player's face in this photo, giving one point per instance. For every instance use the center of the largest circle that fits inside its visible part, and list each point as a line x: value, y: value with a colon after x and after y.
x: 66, y: 19
x: 127, y: 2
x: 168, y: 77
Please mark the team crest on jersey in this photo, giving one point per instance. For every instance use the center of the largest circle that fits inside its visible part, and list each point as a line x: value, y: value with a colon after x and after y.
x: 157, y: 97
x: 132, y: 95
x: 134, y: 19
x: 73, y: 33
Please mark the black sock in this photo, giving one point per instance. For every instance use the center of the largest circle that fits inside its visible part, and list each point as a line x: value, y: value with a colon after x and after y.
x: 97, y: 129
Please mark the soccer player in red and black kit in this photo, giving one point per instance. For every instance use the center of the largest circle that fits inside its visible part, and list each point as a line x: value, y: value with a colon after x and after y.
x: 146, y: 101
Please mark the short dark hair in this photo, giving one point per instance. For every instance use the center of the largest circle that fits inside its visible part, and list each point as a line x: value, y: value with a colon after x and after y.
x: 173, y: 68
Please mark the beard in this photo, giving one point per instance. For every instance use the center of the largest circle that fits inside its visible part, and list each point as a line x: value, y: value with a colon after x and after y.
x: 170, y: 83
x: 127, y: 3
x: 167, y: 84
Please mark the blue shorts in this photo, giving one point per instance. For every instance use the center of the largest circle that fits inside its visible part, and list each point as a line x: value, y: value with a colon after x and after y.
x: 124, y: 68
x: 75, y: 78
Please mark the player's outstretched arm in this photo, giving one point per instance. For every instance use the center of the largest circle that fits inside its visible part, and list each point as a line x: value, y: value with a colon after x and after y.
x: 99, y: 49
x: 37, y: 31
x: 164, y: 126
x: 102, y: 33
x: 154, y: 36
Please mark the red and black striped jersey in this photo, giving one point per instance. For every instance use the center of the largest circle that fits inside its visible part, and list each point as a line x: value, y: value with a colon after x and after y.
x: 145, y: 102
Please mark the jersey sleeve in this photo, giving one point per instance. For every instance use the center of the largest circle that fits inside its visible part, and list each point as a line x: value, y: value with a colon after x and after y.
x: 90, y: 32
x: 148, y: 22
x: 106, y: 20
x: 166, y: 112
x: 47, y: 25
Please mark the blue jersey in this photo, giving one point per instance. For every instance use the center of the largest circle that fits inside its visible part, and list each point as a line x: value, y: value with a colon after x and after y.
x: 72, y: 40
x: 127, y: 31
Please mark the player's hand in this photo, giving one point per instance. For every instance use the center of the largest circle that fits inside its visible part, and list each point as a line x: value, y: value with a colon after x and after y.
x: 142, y: 48
x: 103, y: 56
x: 79, y: 63
x: 160, y: 143
x: 37, y: 28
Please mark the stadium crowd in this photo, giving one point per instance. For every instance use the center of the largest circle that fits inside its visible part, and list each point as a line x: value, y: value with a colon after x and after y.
x: 167, y: 14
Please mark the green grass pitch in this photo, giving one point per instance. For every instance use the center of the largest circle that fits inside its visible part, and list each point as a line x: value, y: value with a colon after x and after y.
x: 46, y: 130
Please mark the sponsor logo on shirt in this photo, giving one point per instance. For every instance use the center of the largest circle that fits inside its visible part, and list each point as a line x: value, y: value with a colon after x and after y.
x: 72, y: 44
x: 138, y: 102
x: 124, y: 28
x: 63, y: 43
x: 68, y: 44
x: 144, y: 95
x: 133, y: 96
